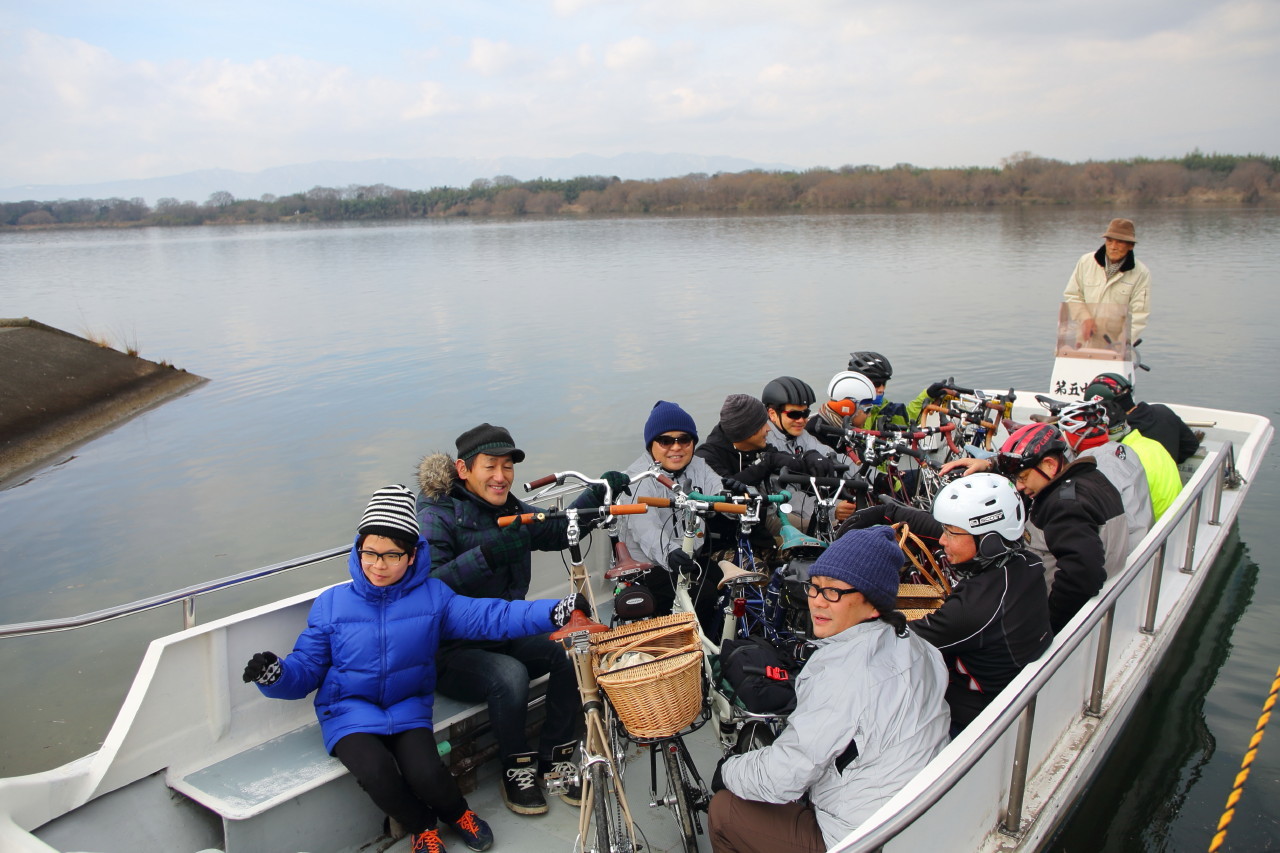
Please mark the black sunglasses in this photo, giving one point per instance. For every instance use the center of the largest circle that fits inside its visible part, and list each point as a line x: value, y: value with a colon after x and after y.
x: 801, y: 415
x: 668, y: 440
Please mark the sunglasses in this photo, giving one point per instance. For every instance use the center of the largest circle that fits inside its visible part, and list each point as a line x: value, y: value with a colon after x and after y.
x: 668, y: 440
x: 801, y: 415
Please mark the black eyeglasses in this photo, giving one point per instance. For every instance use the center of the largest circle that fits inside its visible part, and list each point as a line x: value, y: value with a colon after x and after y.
x: 800, y: 415
x: 830, y: 593
x: 668, y: 440
x: 391, y: 558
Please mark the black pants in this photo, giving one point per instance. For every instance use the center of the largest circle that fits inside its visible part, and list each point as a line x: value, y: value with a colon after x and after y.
x: 404, y: 777
x: 500, y: 675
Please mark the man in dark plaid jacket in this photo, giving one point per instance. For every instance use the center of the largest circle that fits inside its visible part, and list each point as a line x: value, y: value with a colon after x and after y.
x: 459, y: 506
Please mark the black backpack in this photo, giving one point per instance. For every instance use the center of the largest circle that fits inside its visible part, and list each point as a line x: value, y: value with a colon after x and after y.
x: 759, y: 676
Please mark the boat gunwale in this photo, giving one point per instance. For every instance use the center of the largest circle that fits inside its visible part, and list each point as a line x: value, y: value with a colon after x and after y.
x: 940, y: 776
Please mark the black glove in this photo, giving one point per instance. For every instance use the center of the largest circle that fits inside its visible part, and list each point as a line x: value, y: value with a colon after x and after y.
x: 564, y: 608
x: 818, y: 464
x: 679, y: 561
x: 776, y: 460
x: 509, y: 540
x: 733, y: 487
x: 937, y: 389
x: 619, y: 484
x: 867, y: 517
x: 264, y: 668
x: 717, y: 779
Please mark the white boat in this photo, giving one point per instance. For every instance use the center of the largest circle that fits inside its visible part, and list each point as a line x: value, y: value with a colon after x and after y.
x: 198, y: 761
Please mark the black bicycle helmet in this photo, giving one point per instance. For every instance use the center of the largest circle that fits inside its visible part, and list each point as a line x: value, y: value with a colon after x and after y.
x: 872, y: 365
x: 1027, y: 447
x: 787, y: 389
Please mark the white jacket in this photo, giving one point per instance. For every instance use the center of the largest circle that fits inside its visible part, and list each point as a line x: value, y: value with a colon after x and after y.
x: 867, y: 686
x: 1132, y: 286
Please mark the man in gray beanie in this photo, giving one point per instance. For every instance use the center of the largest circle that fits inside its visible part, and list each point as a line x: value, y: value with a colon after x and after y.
x: 870, y: 713
x: 737, y: 450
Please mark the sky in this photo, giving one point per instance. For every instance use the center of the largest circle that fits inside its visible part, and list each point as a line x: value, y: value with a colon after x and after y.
x: 96, y: 91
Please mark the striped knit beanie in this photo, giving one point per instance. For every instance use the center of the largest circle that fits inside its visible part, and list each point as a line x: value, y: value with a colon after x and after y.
x: 391, y: 514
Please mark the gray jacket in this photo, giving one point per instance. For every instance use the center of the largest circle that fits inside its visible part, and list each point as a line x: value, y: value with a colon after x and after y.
x: 653, y: 535
x: 1120, y: 465
x: 867, y: 687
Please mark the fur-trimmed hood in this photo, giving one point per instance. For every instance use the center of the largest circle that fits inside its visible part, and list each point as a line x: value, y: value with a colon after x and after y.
x: 436, y: 475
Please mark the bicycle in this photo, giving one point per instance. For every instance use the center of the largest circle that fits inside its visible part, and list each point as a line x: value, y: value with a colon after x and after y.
x: 604, y: 805
x: 737, y: 728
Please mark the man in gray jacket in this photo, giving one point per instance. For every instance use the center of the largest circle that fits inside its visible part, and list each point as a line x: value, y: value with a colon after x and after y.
x: 870, y: 713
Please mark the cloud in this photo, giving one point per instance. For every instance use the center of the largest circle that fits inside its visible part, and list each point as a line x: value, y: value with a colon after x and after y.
x: 491, y: 58
x: 630, y: 54
x: 823, y: 82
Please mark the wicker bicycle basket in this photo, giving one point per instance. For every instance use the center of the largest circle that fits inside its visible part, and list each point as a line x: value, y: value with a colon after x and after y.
x: 917, y: 600
x: 660, y: 697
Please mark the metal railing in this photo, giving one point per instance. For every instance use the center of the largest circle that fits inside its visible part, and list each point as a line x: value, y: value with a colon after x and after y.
x: 186, y: 595
x: 1216, y: 472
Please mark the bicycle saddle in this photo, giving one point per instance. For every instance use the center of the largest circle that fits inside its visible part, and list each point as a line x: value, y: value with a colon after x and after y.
x: 735, y: 575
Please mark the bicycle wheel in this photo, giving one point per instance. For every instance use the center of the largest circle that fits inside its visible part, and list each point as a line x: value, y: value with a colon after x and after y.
x: 753, y: 735
x: 679, y: 798
x: 611, y: 835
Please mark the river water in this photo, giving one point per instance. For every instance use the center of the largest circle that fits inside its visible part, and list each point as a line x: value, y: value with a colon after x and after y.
x: 339, y: 355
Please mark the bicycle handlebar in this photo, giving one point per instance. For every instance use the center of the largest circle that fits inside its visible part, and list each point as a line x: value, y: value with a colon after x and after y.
x: 584, y: 512
x: 694, y: 497
x: 787, y: 478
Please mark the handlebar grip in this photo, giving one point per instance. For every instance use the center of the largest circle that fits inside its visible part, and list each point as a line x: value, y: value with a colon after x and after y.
x: 666, y: 481
x: 629, y: 509
x: 732, y: 509
x: 540, y: 482
x: 648, y: 501
x: 526, y: 518
x: 821, y: 427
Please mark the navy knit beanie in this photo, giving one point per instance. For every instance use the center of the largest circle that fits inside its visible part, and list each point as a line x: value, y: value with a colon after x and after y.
x: 868, y: 560
x: 667, y: 417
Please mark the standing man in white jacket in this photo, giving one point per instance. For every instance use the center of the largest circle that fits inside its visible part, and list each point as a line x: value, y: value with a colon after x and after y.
x: 870, y: 713
x: 1111, y: 276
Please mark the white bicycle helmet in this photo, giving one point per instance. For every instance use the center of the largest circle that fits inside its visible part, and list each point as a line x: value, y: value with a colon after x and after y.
x: 1083, y: 419
x: 980, y: 504
x: 848, y: 385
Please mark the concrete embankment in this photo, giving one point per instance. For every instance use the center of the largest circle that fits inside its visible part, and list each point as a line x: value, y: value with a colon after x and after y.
x: 58, y: 389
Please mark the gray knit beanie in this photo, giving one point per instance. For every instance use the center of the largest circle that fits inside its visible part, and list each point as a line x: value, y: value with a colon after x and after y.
x: 868, y: 560
x: 741, y: 416
x: 391, y: 513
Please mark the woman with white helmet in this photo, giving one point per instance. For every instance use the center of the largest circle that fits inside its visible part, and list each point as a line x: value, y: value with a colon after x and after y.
x: 996, y: 619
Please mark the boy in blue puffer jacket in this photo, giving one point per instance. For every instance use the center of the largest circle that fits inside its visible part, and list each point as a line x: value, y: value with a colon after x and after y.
x: 368, y: 652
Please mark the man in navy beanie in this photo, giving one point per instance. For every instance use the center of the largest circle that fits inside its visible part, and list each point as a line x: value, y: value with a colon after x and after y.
x: 654, y: 537
x: 870, y: 713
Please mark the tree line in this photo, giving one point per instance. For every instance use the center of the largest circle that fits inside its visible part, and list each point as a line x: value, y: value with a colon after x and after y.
x: 1021, y: 179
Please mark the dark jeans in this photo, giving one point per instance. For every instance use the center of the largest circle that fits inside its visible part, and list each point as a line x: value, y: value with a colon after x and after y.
x: 404, y: 777
x: 500, y: 675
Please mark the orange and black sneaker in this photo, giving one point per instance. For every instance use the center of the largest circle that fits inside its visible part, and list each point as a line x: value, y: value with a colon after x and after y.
x: 428, y: 842
x: 475, y: 833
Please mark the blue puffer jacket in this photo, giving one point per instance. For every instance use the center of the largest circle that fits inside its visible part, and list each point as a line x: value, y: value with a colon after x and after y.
x: 371, y: 650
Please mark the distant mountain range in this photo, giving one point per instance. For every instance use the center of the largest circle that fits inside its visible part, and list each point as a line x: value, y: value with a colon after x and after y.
x: 415, y: 174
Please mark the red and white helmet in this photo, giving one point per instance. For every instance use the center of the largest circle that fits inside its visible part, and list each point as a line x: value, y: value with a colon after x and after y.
x: 1027, y: 447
